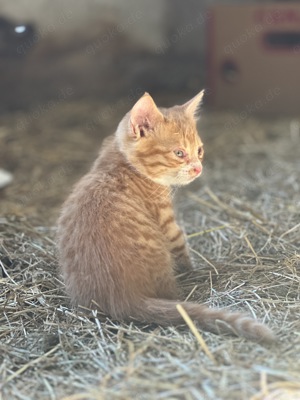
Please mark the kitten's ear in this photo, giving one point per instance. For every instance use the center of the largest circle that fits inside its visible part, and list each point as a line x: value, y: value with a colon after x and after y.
x: 144, y: 116
x: 192, y: 106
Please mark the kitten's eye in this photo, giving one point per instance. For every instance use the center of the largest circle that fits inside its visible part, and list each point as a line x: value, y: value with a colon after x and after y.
x: 200, y: 152
x: 179, y: 153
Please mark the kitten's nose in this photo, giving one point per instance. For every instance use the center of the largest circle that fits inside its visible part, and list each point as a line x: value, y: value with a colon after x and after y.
x: 197, y: 169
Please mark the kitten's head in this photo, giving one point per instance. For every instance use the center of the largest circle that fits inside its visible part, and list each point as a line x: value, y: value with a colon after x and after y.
x: 163, y: 143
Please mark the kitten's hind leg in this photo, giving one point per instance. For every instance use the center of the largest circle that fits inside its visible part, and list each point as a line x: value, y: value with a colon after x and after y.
x: 168, y: 288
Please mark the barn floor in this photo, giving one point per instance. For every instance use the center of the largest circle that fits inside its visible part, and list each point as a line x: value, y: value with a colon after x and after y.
x: 242, y: 219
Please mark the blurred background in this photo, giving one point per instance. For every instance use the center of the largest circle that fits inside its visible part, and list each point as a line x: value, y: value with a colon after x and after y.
x: 70, y: 69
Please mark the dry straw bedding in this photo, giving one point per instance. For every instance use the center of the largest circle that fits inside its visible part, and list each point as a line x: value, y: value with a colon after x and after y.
x: 242, y: 221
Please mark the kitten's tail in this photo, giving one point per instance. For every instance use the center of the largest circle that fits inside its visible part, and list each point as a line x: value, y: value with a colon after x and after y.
x: 164, y: 312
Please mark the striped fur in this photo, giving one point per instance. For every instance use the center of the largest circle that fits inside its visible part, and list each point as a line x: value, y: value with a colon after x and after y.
x: 119, y: 243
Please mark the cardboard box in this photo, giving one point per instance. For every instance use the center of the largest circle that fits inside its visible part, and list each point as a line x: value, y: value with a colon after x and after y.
x: 253, y: 54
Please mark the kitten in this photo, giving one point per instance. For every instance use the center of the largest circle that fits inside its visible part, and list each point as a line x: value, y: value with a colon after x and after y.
x: 118, y: 240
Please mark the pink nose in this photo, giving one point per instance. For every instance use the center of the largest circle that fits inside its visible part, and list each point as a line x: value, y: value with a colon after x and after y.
x: 197, y: 170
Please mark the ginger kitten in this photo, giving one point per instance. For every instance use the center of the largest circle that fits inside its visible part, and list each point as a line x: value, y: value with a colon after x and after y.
x: 119, y: 243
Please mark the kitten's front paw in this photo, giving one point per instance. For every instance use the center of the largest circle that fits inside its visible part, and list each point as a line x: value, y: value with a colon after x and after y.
x: 183, y: 268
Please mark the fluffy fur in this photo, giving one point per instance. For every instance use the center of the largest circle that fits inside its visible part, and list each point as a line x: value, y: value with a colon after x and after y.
x: 119, y: 244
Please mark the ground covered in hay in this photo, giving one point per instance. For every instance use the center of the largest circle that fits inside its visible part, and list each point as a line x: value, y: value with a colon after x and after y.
x: 242, y: 219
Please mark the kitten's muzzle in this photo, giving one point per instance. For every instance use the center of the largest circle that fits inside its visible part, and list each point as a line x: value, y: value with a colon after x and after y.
x: 196, y: 170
